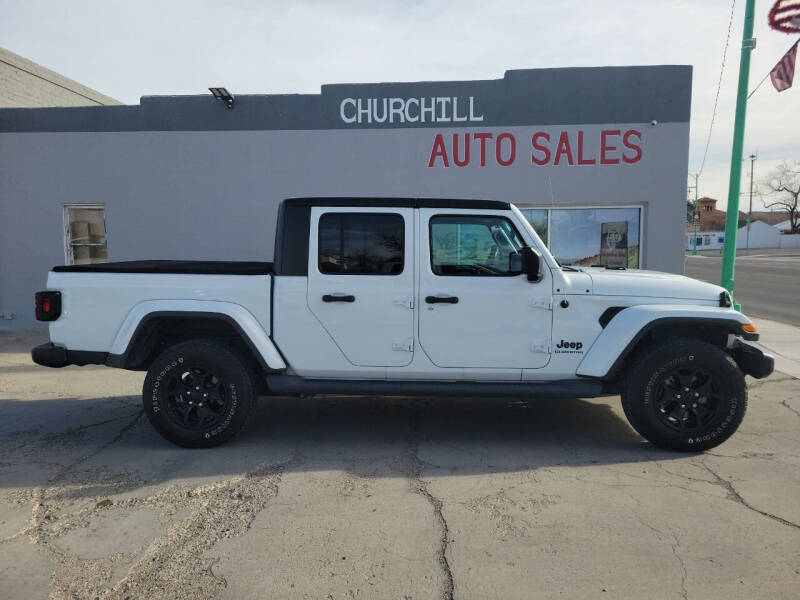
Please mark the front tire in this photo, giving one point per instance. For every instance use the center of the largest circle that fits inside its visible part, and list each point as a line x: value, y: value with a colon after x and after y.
x: 198, y: 393
x: 685, y: 395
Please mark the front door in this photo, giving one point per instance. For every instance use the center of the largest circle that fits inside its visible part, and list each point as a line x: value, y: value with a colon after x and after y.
x: 361, y: 281
x: 476, y: 309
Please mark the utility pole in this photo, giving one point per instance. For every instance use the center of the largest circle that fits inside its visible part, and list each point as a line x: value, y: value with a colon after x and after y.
x: 732, y: 220
x: 695, y: 216
x: 750, y: 212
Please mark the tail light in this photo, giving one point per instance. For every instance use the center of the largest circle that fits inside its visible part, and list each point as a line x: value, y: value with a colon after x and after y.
x: 48, y: 306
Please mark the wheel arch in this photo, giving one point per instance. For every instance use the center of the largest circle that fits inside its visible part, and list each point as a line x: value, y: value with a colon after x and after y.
x: 147, y: 330
x: 631, y: 330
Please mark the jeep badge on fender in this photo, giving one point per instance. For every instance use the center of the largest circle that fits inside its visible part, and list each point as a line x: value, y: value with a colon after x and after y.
x: 570, y: 345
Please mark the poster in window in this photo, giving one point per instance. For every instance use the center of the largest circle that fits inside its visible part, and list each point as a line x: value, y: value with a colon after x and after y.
x: 614, y: 244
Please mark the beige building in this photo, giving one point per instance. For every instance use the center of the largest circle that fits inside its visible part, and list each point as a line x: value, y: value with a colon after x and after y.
x: 25, y: 84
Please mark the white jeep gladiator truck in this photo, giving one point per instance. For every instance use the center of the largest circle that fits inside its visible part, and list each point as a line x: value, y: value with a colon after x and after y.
x: 406, y: 297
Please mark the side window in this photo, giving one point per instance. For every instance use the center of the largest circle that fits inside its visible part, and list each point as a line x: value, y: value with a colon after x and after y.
x: 467, y: 245
x: 361, y: 244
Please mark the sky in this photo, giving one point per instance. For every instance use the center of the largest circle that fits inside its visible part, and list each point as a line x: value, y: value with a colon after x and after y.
x: 132, y: 49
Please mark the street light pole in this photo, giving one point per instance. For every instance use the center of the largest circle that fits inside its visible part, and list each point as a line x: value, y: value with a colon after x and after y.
x: 695, y: 215
x: 750, y: 212
x: 732, y: 220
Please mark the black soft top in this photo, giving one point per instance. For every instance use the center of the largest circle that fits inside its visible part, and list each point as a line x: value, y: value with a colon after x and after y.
x: 399, y: 202
x: 194, y: 267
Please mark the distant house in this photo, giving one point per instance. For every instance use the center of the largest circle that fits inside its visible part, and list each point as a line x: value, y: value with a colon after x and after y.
x: 706, y: 240
x: 712, y: 219
x: 784, y: 226
x: 711, y: 228
x: 26, y: 84
x: 761, y: 236
x: 771, y: 218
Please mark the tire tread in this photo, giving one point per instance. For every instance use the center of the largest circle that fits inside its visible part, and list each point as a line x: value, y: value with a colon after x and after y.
x: 639, y: 372
x: 248, y: 394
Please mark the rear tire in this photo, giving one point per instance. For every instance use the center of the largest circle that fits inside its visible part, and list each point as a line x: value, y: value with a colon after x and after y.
x: 199, y: 393
x: 685, y: 395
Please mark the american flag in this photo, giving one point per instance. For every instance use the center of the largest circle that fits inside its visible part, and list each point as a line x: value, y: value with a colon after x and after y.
x: 782, y: 74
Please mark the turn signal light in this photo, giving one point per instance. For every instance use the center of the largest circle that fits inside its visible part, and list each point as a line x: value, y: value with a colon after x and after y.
x: 749, y: 328
x: 48, y: 306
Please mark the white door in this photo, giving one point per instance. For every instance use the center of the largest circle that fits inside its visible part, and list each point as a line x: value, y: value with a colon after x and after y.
x: 361, y: 281
x: 476, y: 310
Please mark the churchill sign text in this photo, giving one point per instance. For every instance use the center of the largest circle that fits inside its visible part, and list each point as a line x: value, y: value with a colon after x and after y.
x: 434, y: 109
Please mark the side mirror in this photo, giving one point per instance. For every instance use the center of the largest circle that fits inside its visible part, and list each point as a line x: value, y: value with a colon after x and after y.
x: 531, y: 262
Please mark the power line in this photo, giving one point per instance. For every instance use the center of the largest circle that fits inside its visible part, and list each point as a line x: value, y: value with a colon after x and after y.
x: 50, y: 81
x: 719, y: 87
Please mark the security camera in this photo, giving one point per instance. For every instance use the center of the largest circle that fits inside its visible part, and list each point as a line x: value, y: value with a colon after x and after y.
x: 653, y: 122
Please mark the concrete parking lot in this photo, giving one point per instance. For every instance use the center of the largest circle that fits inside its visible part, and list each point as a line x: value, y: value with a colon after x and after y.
x: 386, y: 498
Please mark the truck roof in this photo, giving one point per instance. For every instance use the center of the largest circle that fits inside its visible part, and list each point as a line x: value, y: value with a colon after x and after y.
x: 399, y: 202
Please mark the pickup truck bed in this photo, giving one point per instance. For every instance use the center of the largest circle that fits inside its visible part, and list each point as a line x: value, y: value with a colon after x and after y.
x: 189, y: 267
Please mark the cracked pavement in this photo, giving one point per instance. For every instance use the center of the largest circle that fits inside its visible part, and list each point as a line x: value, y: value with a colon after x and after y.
x: 386, y: 498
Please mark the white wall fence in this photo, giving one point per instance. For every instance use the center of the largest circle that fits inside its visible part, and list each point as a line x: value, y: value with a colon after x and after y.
x: 790, y: 241
x: 761, y: 236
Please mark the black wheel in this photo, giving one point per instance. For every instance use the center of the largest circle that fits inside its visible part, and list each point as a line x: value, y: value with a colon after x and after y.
x: 685, y: 395
x: 198, y: 393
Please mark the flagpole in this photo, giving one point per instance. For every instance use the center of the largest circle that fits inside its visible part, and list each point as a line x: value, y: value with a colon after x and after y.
x: 732, y: 219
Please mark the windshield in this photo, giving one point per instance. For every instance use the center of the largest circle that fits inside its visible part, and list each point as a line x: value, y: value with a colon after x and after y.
x: 539, y: 245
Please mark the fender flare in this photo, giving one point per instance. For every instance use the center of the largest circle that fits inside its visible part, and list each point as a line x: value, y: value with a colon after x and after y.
x: 629, y: 326
x: 242, y: 320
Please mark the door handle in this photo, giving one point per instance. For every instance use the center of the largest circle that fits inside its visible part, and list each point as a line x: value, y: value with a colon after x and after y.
x: 441, y: 299
x: 338, y: 298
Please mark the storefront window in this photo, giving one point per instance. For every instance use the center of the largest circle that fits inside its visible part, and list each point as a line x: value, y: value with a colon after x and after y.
x: 85, y: 234
x: 589, y: 236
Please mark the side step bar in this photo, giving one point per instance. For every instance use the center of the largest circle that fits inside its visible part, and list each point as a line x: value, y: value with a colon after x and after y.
x: 292, y: 385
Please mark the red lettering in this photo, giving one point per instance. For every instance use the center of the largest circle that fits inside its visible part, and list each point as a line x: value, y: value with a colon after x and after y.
x: 498, y: 154
x: 438, y: 151
x: 581, y: 160
x: 483, y: 137
x: 637, y: 149
x: 563, y: 148
x: 540, y: 148
x: 604, y: 147
x: 465, y: 162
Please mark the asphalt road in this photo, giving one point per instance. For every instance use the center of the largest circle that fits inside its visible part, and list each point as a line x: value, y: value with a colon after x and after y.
x: 767, y: 281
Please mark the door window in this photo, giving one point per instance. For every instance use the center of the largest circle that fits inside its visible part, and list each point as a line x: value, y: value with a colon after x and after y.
x: 471, y: 245
x: 361, y: 244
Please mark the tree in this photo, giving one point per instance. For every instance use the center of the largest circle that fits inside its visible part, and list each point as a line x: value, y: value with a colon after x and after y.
x: 781, y: 189
x: 691, y: 207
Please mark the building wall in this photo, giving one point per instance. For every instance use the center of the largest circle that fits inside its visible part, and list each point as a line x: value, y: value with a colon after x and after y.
x: 213, y: 192
x: 707, y: 240
x: 24, y: 83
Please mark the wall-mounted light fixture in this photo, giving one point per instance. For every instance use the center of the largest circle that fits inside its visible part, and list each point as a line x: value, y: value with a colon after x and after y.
x: 220, y: 93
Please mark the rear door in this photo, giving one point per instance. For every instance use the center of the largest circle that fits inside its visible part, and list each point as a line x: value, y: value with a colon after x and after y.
x: 361, y: 281
x: 477, y: 310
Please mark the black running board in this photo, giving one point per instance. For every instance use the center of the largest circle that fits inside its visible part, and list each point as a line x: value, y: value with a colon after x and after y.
x: 292, y: 385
